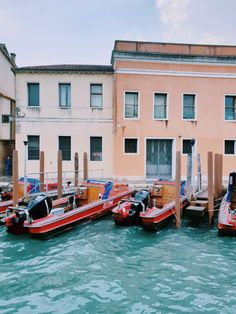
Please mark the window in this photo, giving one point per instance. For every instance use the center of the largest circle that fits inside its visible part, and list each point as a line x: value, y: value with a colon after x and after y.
x: 65, y: 147
x: 33, y: 94
x: 96, y: 95
x: 131, y: 145
x: 131, y: 105
x: 64, y: 95
x: 230, y: 147
x: 189, y: 107
x: 33, y: 147
x: 96, y: 148
x: 187, y: 146
x: 160, y: 106
x: 5, y: 118
x: 230, y: 107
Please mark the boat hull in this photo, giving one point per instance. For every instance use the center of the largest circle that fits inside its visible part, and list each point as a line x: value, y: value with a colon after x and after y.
x: 53, y: 224
x: 156, y: 218
x: 226, y: 219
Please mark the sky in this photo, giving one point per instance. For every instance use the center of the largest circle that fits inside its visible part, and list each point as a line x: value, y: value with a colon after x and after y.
x: 44, y: 32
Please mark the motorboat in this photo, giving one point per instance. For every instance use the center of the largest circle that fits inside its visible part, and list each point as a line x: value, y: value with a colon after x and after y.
x: 227, y: 211
x: 40, y: 218
x: 162, y: 209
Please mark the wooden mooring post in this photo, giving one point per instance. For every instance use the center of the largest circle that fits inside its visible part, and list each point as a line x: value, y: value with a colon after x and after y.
x: 216, y: 175
x: 220, y: 160
x: 199, y: 174
x: 59, y: 174
x: 15, y: 178
x: 85, y: 159
x: 177, y: 191
x: 76, y: 167
x: 41, y: 172
x: 210, y: 187
x: 189, y: 177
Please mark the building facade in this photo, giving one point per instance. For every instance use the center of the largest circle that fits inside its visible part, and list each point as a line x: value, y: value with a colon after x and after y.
x: 165, y: 96
x: 7, y: 106
x: 67, y: 108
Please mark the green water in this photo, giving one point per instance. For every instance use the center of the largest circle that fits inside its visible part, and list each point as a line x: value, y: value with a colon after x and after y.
x: 101, y: 268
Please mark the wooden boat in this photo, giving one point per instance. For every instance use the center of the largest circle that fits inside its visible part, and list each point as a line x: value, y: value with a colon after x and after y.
x: 163, y: 205
x: 227, y: 211
x: 92, y: 200
x: 137, y: 209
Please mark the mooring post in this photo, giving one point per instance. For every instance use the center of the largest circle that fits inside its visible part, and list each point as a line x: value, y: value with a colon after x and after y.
x: 216, y: 175
x: 76, y: 164
x: 178, y: 187
x: 85, y: 166
x: 41, y: 170
x: 199, y: 173
x: 189, y: 176
x: 15, y: 178
x: 220, y: 160
x: 210, y: 187
x: 59, y: 174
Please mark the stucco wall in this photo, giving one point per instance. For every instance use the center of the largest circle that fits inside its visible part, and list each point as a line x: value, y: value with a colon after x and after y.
x: 209, y: 129
x: 80, y: 121
x: 7, y: 88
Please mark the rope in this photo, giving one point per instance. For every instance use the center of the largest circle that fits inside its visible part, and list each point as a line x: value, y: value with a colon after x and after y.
x: 179, y: 220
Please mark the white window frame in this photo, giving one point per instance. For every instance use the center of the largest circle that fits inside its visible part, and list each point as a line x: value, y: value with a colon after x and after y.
x: 27, y: 95
x: 194, y: 147
x: 195, y: 105
x: 229, y: 139
x: 167, y: 106
x: 133, y: 138
x: 65, y: 83
x: 131, y: 91
x: 173, y: 166
x: 233, y: 95
x: 96, y: 107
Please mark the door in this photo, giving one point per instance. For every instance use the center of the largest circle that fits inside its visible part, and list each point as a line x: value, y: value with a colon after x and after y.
x: 159, y: 159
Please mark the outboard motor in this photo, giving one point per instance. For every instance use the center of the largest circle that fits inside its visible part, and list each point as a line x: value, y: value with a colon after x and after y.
x: 37, y: 208
x: 140, y: 203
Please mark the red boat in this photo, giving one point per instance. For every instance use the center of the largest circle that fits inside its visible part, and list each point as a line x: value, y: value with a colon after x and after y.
x: 227, y: 211
x: 161, y: 198
x: 92, y: 200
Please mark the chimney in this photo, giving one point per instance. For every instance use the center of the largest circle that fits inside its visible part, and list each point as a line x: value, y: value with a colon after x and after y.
x: 13, y: 57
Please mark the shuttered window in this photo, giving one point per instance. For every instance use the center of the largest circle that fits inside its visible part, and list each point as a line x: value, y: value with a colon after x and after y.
x: 189, y: 107
x: 230, y: 108
x: 96, y: 95
x: 160, y: 106
x: 33, y: 147
x: 65, y: 147
x: 96, y: 148
x: 64, y: 95
x: 131, y: 105
x: 33, y: 94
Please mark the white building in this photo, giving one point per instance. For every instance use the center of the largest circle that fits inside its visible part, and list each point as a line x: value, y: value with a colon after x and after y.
x: 68, y: 108
x: 7, y: 105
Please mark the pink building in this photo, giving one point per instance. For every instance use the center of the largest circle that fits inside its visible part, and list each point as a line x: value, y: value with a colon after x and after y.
x: 164, y: 96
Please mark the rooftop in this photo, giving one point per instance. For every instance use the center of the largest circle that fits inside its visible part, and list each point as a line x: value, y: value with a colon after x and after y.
x: 5, y: 52
x: 67, y: 68
x: 173, y: 51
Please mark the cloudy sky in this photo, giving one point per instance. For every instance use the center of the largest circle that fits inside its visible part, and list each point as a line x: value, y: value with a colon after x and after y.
x: 84, y: 31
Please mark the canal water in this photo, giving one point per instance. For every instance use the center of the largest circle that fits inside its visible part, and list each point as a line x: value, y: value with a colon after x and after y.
x: 100, y: 268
